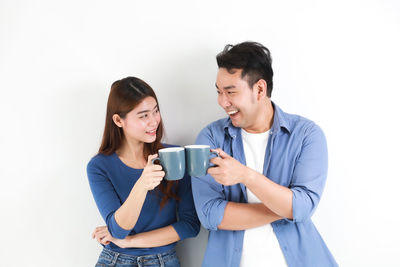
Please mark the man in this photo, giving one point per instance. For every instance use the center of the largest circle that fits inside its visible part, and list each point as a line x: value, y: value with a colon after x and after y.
x: 258, y: 201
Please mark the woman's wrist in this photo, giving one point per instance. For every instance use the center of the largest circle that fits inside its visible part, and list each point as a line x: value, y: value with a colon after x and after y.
x: 139, y: 185
x: 129, y: 241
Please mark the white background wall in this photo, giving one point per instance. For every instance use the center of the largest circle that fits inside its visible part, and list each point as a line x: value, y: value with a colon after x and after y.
x: 336, y: 62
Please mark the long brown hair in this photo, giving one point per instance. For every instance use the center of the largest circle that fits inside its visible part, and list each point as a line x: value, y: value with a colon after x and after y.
x: 124, y: 96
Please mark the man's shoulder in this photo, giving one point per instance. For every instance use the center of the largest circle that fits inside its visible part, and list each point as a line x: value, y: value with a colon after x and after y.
x: 218, y: 124
x: 213, y: 131
x: 295, y: 122
x: 215, y: 127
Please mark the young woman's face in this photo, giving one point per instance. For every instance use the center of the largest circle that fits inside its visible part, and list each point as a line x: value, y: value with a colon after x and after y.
x: 141, y: 123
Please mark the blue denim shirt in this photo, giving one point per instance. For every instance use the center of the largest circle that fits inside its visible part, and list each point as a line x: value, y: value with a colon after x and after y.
x: 296, y: 157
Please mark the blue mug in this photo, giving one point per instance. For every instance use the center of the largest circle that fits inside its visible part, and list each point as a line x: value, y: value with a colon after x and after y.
x: 172, y: 160
x: 198, y: 159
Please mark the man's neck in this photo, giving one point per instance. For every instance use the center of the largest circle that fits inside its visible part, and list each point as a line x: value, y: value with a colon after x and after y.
x: 264, y: 120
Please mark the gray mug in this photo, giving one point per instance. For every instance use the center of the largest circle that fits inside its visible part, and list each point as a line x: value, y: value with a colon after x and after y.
x: 172, y: 160
x: 198, y: 159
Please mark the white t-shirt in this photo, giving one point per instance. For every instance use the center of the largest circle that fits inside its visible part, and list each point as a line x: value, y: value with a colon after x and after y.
x: 260, y: 245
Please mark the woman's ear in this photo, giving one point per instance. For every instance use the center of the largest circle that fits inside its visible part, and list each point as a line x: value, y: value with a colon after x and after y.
x: 117, y: 120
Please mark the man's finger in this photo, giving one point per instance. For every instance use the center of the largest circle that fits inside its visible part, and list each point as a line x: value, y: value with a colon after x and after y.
x: 213, y: 170
x: 216, y: 161
x: 221, y: 153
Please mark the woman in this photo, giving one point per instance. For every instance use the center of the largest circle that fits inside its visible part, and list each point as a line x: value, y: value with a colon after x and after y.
x: 138, y: 206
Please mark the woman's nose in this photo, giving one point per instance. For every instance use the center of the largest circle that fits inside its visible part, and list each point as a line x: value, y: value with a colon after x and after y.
x: 154, y: 120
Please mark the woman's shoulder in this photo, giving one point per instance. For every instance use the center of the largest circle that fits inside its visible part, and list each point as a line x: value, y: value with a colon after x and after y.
x: 99, y: 161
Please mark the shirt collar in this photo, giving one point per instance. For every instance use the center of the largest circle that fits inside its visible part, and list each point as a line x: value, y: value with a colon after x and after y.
x: 280, y: 122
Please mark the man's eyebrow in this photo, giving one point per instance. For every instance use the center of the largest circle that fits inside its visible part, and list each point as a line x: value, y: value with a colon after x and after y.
x: 226, y: 87
x: 147, y: 110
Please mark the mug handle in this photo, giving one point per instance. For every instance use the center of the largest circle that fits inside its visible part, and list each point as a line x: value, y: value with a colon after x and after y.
x: 152, y: 161
x: 215, y: 154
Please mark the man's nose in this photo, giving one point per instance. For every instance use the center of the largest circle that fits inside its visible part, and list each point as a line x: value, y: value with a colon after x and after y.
x: 223, y: 100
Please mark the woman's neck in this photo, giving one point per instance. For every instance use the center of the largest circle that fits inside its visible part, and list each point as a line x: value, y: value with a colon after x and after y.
x: 131, y: 153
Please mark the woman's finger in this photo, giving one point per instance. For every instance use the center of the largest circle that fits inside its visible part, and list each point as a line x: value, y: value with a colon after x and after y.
x: 100, y: 235
x: 94, y: 233
x: 156, y: 181
x: 156, y: 168
x: 150, y: 158
x: 99, y: 228
x: 98, y: 239
x: 159, y: 174
x: 106, y: 240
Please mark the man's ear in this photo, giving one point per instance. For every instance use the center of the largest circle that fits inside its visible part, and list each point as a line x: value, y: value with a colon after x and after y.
x: 261, y: 88
x: 117, y: 120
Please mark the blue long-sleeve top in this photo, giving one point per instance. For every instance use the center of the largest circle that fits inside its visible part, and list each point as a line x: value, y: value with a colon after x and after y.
x: 296, y: 157
x: 111, y: 181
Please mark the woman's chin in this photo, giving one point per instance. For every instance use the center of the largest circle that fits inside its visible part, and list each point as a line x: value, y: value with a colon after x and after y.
x: 150, y: 139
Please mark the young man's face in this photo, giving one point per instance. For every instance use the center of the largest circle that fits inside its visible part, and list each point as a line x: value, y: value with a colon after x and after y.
x: 236, y: 97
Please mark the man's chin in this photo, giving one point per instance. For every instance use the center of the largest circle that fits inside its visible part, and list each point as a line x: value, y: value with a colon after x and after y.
x: 236, y: 124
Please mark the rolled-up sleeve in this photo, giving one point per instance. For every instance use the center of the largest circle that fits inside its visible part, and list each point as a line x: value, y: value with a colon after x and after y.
x: 208, y: 195
x: 188, y: 224
x: 309, y: 174
x: 106, y: 198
